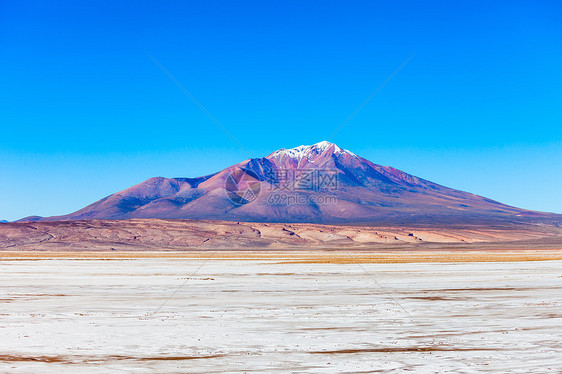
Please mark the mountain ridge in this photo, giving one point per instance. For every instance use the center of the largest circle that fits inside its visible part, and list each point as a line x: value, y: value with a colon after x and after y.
x: 358, y: 191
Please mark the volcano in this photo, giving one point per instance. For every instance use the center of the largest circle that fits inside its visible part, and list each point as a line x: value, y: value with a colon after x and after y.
x: 319, y: 183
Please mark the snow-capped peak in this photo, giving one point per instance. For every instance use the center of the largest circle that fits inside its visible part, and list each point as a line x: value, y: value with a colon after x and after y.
x: 306, y: 151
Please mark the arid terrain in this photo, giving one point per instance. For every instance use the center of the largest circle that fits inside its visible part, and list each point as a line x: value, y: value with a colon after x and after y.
x: 148, y: 315
x: 151, y: 295
x: 187, y: 235
x: 156, y: 295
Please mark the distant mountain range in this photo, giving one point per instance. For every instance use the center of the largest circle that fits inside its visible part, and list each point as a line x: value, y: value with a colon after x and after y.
x: 320, y: 183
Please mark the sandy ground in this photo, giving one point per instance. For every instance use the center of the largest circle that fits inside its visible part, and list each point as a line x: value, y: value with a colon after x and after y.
x: 309, y: 256
x: 189, y: 235
x: 269, y: 315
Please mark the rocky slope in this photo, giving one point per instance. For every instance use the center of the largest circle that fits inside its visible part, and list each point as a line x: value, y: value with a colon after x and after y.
x: 321, y: 183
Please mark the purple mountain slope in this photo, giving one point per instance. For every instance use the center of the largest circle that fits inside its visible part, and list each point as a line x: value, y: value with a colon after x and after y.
x: 321, y: 183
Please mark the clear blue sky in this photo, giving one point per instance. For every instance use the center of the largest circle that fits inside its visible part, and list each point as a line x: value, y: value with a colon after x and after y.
x: 85, y: 112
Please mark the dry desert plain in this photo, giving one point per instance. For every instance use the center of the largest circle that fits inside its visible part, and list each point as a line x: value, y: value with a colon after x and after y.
x: 158, y: 296
x: 195, y: 235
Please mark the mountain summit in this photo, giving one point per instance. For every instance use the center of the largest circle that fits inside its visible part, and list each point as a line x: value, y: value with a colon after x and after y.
x: 309, y: 152
x: 319, y: 183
